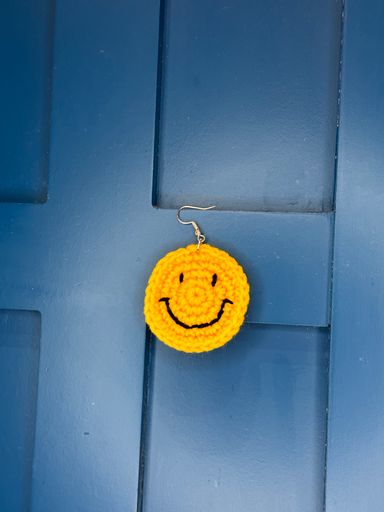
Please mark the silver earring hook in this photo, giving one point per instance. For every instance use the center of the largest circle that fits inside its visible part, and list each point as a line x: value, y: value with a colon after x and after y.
x: 200, y: 237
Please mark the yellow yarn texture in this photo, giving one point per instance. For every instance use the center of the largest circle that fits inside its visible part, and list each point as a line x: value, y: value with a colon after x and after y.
x: 196, y: 299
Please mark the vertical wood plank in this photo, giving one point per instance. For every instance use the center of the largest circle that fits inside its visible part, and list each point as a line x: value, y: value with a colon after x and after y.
x: 356, y: 418
x: 19, y: 369
x: 249, y: 104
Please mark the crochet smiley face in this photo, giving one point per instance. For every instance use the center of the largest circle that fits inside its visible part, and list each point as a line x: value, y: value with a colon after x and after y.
x: 196, y: 299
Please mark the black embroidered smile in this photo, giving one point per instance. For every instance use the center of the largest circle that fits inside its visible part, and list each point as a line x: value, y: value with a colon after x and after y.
x: 194, y: 326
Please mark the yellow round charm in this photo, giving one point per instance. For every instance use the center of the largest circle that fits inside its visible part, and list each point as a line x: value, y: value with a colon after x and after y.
x: 196, y: 299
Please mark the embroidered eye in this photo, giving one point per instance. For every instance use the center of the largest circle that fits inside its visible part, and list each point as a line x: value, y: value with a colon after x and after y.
x: 214, y: 279
x: 181, y: 277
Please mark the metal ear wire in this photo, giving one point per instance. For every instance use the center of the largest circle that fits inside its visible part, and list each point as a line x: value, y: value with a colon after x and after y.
x: 200, y: 237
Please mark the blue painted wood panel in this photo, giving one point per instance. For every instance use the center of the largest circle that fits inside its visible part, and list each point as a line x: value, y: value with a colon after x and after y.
x: 248, y: 102
x: 83, y: 258
x: 19, y: 369
x: 286, y: 256
x: 240, y: 428
x: 356, y: 423
x: 26, y: 31
x: 71, y: 258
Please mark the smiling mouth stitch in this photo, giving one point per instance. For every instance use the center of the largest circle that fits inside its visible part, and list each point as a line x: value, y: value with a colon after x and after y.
x: 194, y: 326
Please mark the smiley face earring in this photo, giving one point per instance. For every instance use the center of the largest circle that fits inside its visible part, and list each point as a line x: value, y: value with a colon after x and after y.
x: 197, y: 296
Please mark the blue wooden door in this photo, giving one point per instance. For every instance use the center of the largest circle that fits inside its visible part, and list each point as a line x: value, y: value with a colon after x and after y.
x: 114, y: 115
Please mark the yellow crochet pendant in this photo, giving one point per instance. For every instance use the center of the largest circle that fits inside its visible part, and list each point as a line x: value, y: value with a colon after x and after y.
x: 197, y: 296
